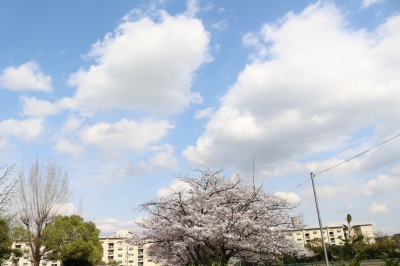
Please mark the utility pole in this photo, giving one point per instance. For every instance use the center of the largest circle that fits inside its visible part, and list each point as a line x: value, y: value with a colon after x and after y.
x: 319, y: 219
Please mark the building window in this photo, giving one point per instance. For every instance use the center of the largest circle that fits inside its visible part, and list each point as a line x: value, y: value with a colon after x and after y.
x: 25, y: 257
x: 119, y: 255
x: 297, y: 233
x: 339, y: 230
x: 341, y: 242
x: 25, y: 264
x: 131, y: 261
x: 315, y: 232
x: 44, y: 263
x: 131, y: 248
x: 130, y: 254
x: 120, y: 261
x: 120, y: 248
x: 149, y: 260
x: 298, y: 239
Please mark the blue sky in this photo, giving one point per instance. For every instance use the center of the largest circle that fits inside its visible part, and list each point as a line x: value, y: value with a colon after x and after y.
x: 128, y: 95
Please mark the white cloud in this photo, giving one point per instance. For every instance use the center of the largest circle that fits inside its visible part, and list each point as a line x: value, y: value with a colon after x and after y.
x: 144, y: 64
x: 25, y: 77
x: 163, y: 157
x: 177, y: 186
x: 66, y: 138
x: 28, y: 129
x: 316, y: 81
x: 125, y: 133
x: 381, y: 184
x: 204, y: 113
x: 220, y: 25
x: 108, y: 225
x: 376, y: 208
x: 34, y: 107
x: 68, y: 209
x: 31, y: 106
x: 290, y: 196
x: 192, y: 8
x: 367, y: 3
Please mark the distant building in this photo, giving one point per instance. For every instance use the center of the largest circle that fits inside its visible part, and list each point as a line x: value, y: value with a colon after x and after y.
x: 116, y: 249
x: 331, y: 235
x: 25, y: 259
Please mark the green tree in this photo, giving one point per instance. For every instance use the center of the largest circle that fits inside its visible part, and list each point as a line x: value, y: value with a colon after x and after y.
x: 72, y: 241
x: 6, y: 240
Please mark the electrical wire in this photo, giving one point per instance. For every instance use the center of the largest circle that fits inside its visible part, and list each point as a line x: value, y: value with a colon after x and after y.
x: 346, y: 160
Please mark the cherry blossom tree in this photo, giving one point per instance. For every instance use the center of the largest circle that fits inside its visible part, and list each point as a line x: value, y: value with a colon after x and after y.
x: 217, y: 221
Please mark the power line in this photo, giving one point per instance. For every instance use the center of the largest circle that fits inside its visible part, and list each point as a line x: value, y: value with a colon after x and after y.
x: 347, y: 160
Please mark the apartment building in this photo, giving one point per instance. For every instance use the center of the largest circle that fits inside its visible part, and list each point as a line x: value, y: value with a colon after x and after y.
x: 25, y: 259
x: 331, y: 235
x: 116, y: 249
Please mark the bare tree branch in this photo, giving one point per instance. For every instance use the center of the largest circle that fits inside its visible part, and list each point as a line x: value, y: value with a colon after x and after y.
x: 42, y: 195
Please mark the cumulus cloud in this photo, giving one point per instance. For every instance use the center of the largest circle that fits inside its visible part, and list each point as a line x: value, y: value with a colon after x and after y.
x: 162, y: 157
x: 376, y: 208
x: 144, y: 64
x: 381, y: 184
x: 28, y: 129
x: 314, y: 81
x: 27, y: 76
x: 31, y: 106
x: 177, y: 186
x: 290, y: 196
x: 68, y: 209
x: 108, y: 225
x: 126, y: 134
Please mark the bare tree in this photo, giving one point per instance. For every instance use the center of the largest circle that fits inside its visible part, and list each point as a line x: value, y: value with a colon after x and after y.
x: 6, y: 187
x: 41, y: 195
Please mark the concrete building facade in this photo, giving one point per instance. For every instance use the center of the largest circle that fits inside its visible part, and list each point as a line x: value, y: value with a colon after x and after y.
x: 331, y: 235
x: 115, y: 248
x: 25, y: 259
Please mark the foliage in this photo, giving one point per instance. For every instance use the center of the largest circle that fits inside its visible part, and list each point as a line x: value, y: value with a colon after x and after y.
x: 6, y: 240
x: 216, y: 221
x: 72, y: 241
x: 388, y: 260
x: 42, y: 194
